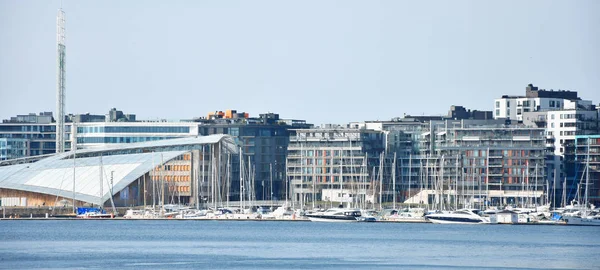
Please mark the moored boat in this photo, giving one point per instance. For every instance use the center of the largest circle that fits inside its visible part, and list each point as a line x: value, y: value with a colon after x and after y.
x: 335, y: 215
x: 462, y: 216
x: 582, y: 220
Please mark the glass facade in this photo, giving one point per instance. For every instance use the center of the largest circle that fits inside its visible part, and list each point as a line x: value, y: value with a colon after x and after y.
x: 132, y: 129
x: 28, y: 128
x: 41, y: 138
x: 119, y: 139
x: 12, y: 148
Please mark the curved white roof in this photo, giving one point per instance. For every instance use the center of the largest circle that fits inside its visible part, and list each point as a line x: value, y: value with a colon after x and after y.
x: 55, y: 175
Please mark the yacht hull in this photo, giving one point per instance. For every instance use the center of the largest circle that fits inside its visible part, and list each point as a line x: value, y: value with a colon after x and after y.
x: 582, y: 221
x: 442, y: 221
x: 331, y: 219
x: 408, y: 220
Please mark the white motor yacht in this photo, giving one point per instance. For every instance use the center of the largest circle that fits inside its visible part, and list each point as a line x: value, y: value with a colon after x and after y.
x: 335, y: 215
x: 408, y: 215
x: 582, y: 220
x: 462, y: 216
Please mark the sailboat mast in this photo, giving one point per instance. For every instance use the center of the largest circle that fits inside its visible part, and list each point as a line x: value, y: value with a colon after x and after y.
x: 535, y: 197
x: 409, y: 175
x: 302, y: 156
x: 75, y: 212
x: 201, y: 199
x: 587, y: 176
x: 456, y: 184
x: 271, y: 180
x: 394, y: 182
x: 241, y: 179
x: 381, y: 181
x: 162, y: 184
x: 313, y: 177
x: 100, y: 203
x: 153, y: 184
x: 342, y: 174
x: 564, y: 195
x: 228, y: 176
x: 487, y: 178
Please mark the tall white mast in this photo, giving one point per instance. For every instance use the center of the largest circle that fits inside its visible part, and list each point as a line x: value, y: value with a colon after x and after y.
x: 380, y: 181
x: 587, y: 176
x: 394, y: 181
x: 60, y: 81
x: 409, y: 175
x: 74, y: 152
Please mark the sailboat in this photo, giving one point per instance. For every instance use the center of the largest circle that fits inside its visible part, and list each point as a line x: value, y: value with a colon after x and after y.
x: 583, y: 219
x: 83, y: 212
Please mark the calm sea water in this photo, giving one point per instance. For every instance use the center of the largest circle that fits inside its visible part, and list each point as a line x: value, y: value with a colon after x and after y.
x: 137, y: 244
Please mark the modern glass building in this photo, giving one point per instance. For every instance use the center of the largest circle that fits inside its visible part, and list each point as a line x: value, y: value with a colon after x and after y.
x: 11, y: 148
x: 90, y: 135
x: 38, y: 130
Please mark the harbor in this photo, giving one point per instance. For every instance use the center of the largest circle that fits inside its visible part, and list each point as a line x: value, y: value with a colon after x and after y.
x: 406, y: 215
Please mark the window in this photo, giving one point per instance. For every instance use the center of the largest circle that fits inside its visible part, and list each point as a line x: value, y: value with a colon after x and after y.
x: 552, y: 116
x: 552, y: 125
x: 497, y: 104
x: 507, y: 104
x: 234, y: 132
x: 497, y: 112
x: 518, y: 111
x: 507, y: 112
x: 551, y: 103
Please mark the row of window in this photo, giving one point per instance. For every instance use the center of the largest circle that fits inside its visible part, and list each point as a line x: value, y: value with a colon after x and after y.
x: 119, y: 139
x: 171, y: 178
x: 245, y: 131
x: 133, y: 129
x: 30, y: 128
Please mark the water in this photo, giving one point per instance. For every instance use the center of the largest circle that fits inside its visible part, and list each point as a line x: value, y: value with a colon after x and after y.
x: 139, y: 244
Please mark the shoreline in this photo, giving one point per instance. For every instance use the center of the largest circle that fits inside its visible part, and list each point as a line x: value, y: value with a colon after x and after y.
x: 253, y: 219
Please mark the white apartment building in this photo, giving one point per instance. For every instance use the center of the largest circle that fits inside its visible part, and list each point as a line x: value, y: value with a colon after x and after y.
x: 564, y: 125
x: 513, y: 107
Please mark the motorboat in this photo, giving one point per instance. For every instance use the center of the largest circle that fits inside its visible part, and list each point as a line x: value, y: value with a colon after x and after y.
x: 582, y: 220
x: 462, y: 216
x: 86, y: 212
x: 408, y: 215
x: 335, y: 215
x: 95, y: 215
x: 282, y: 212
x: 366, y: 219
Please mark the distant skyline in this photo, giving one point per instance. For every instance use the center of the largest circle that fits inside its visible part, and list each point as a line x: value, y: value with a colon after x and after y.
x: 321, y: 61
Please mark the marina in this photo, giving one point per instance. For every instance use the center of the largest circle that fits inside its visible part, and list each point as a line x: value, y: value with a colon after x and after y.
x: 565, y: 216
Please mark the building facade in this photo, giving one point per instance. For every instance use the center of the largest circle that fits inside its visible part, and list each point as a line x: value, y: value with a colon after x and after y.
x: 582, y: 159
x: 324, y: 162
x: 513, y: 107
x: 264, y: 146
x: 38, y: 130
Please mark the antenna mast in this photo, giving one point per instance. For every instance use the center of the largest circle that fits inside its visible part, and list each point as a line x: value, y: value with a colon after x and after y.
x: 60, y: 81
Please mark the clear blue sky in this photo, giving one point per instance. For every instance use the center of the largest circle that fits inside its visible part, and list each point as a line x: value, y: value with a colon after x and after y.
x: 323, y: 61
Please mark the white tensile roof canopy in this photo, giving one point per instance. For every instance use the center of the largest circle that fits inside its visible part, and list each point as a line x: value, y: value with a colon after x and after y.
x: 122, y: 164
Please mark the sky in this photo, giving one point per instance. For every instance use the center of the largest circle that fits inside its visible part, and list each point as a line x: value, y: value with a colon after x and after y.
x: 321, y: 61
